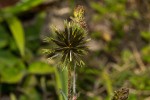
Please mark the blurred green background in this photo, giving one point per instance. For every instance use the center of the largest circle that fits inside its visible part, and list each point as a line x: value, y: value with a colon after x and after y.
x: 119, y: 49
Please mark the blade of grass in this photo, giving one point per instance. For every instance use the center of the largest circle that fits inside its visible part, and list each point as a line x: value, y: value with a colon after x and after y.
x: 12, y: 97
x: 107, y: 82
x: 22, y: 6
x: 63, y: 94
x: 17, y: 32
x: 61, y: 82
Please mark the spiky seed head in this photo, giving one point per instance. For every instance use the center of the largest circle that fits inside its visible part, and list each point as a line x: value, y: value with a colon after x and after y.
x: 70, y: 44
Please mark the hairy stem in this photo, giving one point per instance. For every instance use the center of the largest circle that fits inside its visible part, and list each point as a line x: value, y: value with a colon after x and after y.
x: 69, y: 82
x: 74, y: 83
x: 74, y: 80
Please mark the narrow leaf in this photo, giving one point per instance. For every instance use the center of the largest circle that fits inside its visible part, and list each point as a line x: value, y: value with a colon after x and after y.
x: 107, y: 82
x: 61, y: 83
x: 12, y: 97
x: 17, y: 32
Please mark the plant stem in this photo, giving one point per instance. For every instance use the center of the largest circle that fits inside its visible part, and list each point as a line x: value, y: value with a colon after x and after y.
x: 74, y: 83
x: 74, y: 80
x: 69, y: 82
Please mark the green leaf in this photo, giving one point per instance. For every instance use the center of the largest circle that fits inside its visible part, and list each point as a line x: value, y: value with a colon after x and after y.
x: 99, y: 8
x: 61, y: 83
x: 30, y: 94
x: 64, y: 96
x: 3, y: 43
x: 13, y: 74
x: 12, y: 97
x: 29, y: 81
x: 107, y: 82
x: 7, y: 59
x: 33, y: 32
x: 145, y: 36
x: 4, y: 38
x: 23, y: 5
x: 40, y: 68
x: 142, y: 80
x: 18, y: 32
x: 126, y: 55
x: 146, y: 53
x: 133, y: 96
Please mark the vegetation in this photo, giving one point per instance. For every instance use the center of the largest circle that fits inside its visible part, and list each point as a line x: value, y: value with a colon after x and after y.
x: 71, y: 47
x: 118, y: 58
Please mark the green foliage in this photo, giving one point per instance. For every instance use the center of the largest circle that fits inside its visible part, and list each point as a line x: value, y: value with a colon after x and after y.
x: 4, y: 38
x: 12, y: 74
x: 145, y: 35
x: 61, y: 83
x: 22, y: 6
x: 40, y: 68
x: 35, y: 95
x: 146, y: 53
x: 126, y: 55
x: 142, y: 80
x: 12, y: 97
x: 18, y: 34
x: 12, y: 69
x: 132, y: 97
x: 109, y: 7
x: 113, y: 66
x: 8, y: 14
x: 107, y: 82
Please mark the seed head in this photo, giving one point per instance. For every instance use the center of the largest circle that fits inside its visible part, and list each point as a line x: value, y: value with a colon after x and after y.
x: 71, y: 43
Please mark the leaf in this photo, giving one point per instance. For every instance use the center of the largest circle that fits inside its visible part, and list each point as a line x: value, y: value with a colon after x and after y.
x: 7, y: 59
x: 3, y: 43
x: 18, y: 32
x: 12, y: 97
x: 13, y: 74
x: 107, y: 82
x: 142, y: 80
x: 99, y: 8
x: 133, y: 96
x: 146, y: 53
x: 63, y: 94
x: 33, y: 32
x: 30, y: 94
x: 61, y: 82
x: 4, y: 38
x: 22, y: 6
x: 145, y: 36
x: 126, y: 55
x: 40, y: 68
